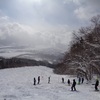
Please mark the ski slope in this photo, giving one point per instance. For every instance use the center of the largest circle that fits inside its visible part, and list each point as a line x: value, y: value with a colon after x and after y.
x: 17, y: 84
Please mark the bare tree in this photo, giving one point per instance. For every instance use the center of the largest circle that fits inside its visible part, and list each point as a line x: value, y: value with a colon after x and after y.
x: 84, y: 54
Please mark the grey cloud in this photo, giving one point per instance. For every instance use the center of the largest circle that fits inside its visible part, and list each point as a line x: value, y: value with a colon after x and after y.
x: 87, y: 8
x: 39, y: 23
x: 49, y: 11
x: 13, y: 33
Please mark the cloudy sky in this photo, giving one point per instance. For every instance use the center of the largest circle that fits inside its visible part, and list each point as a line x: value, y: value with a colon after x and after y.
x: 43, y: 22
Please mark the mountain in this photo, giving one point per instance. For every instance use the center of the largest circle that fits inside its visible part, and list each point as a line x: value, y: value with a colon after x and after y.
x: 19, y: 56
x: 49, y: 54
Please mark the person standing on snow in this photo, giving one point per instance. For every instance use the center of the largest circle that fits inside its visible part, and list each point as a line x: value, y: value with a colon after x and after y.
x: 96, y: 85
x: 38, y: 80
x: 49, y: 79
x: 62, y: 80
x: 34, y: 81
x: 82, y: 80
x: 73, y: 85
x: 68, y: 82
x: 79, y: 80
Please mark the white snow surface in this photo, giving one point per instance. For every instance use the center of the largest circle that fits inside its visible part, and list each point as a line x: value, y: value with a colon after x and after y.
x: 17, y: 84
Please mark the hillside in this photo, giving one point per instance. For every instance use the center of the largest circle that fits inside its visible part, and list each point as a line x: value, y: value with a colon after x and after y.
x: 17, y: 84
x: 21, y: 62
x: 20, y: 56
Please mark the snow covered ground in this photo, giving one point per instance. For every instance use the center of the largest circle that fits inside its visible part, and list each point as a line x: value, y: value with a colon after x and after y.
x: 17, y: 84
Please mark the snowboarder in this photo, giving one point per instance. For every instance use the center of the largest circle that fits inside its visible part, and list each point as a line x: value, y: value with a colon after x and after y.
x: 38, y: 80
x: 68, y: 82
x: 82, y: 79
x: 73, y: 85
x: 49, y: 79
x: 34, y: 81
x: 62, y: 80
x: 96, y: 85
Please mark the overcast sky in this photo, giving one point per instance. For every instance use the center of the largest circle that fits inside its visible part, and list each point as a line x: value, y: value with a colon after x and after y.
x: 43, y: 22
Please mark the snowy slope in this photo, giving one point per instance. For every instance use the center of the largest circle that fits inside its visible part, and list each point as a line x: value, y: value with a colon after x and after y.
x: 17, y: 84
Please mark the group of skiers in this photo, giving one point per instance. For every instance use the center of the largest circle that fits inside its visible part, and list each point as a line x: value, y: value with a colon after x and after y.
x: 63, y: 81
x: 73, y: 86
x: 38, y: 80
x: 80, y: 80
x: 35, y: 80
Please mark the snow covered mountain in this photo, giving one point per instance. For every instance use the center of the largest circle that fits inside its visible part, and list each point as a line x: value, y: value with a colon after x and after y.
x: 17, y: 84
x: 48, y: 54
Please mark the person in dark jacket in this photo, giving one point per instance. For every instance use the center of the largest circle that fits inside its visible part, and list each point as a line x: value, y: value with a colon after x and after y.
x: 38, y: 80
x: 49, y: 79
x: 68, y: 82
x: 34, y: 81
x: 82, y: 80
x: 62, y: 80
x: 79, y: 80
x: 73, y: 85
x: 96, y: 85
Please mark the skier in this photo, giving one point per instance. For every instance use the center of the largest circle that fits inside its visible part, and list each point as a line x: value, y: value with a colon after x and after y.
x: 38, y: 80
x: 73, y: 85
x: 68, y: 82
x: 62, y: 80
x: 34, y: 81
x: 96, y: 85
x: 79, y: 80
x: 82, y: 79
x: 49, y: 79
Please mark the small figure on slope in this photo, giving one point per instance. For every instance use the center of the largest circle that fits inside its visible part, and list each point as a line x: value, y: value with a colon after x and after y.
x: 96, y: 85
x: 73, y: 85
x: 79, y: 80
x: 62, y: 80
x: 82, y: 80
x: 34, y: 81
x: 38, y: 80
x: 49, y: 79
x: 68, y: 82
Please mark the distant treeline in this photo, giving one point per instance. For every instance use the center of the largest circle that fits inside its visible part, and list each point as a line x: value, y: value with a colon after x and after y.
x: 21, y: 62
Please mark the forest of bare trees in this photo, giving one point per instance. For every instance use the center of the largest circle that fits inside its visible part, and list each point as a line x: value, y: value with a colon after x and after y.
x: 84, y: 54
